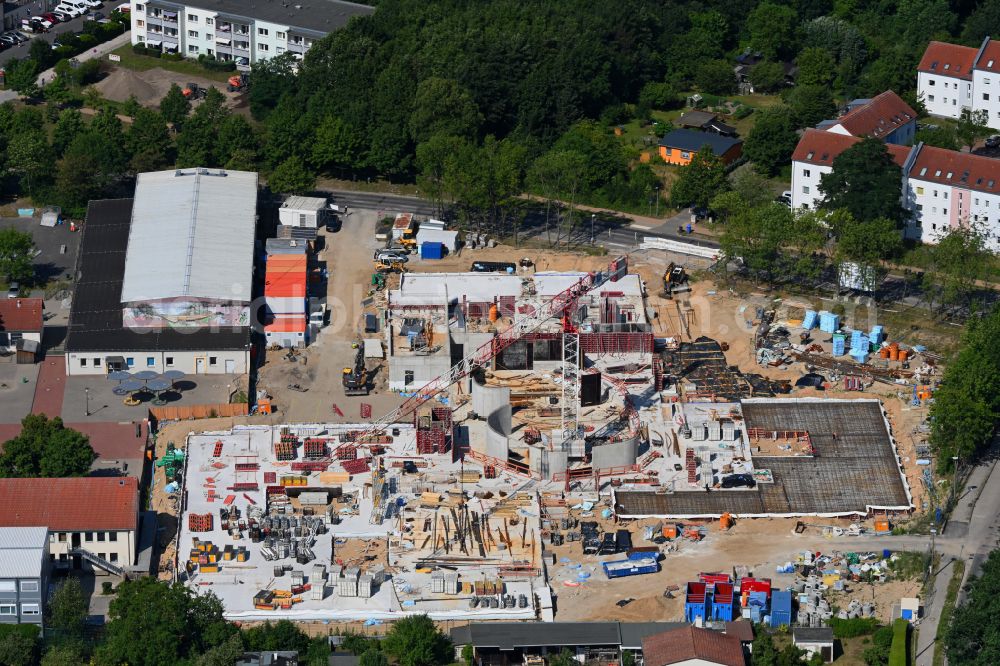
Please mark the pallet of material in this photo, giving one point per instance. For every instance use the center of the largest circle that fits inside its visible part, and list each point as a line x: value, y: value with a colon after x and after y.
x: 430, y: 499
x: 334, y: 477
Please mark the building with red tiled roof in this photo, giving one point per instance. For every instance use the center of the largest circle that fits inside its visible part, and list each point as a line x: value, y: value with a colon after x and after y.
x: 20, y: 319
x: 814, y: 156
x: 951, y: 78
x: 691, y: 646
x: 885, y: 117
x: 98, y: 515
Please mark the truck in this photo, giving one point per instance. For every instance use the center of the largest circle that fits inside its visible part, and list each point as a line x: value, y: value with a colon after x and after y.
x: 622, y: 568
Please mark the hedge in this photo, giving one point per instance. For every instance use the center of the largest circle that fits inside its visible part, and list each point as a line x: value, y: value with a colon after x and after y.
x: 852, y: 627
x: 899, y: 655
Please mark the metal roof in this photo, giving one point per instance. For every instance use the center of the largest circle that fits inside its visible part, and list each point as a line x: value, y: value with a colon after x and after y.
x: 21, y: 551
x: 322, y: 17
x: 304, y: 203
x: 192, y: 235
x: 512, y: 635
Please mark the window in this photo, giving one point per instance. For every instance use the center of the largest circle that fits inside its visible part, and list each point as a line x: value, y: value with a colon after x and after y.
x: 169, y: 361
x: 930, y: 82
x: 935, y: 193
x: 83, y: 363
x: 139, y: 23
x: 920, y: 190
x: 8, y: 609
x: 262, y: 47
x: 987, y: 81
x: 806, y: 173
x: 408, y: 377
x: 192, y: 49
x: 986, y: 97
x: 103, y: 556
x: 62, y: 537
x: 193, y: 33
x: 281, y: 35
x: 948, y: 177
x: 192, y: 18
x: 977, y: 201
x: 944, y: 211
x: 685, y: 155
x: 88, y: 536
x: 100, y: 536
x: 805, y: 189
x: 7, y: 586
x: 209, y: 21
x: 29, y: 586
x: 670, y: 151
x: 129, y: 361
x: 138, y: 7
x: 279, y: 50
x: 112, y: 536
x: 30, y: 609
x: 920, y: 207
x: 97, y: 362
x: 262, y: 31
x: 954, y: 102
x: 150, y: 361
x: 113, y: 557
x: 213, y: 360
x: 945, y: 194
x: 934, y: 210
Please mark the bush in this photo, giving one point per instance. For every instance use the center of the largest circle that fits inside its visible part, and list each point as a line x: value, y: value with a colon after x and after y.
x: 853, y: 627
x: 107, y: 587
x: 212, y: 64
x: 139, y: 49
x: 899, y: 654
x: 742, y: 112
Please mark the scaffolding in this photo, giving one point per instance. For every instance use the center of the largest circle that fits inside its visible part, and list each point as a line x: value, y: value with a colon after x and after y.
x: 570, y: 422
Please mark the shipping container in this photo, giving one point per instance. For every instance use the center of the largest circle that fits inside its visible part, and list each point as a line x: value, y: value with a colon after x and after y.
x: 781, y: 608
x: 620, y: 568
x: 431, y: 250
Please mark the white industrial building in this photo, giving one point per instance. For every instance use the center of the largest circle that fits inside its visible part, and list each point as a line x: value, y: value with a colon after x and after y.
x: 299, y: 211
x: 231, y: 30
x: 951, y: 78
x: 164, y: 280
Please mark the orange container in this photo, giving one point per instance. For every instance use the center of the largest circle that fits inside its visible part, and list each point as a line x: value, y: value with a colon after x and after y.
x: 494, y: 312
x: 893, y: 353
x: 903, y: 354
x: 883, y: 352
x: 670, y: 531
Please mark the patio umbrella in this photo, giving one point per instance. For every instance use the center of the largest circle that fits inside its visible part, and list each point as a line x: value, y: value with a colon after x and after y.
x: 132, y: 385
x: 145, y: 375
x: 173, y: 375
x: 119, y: 375
x: 158, y: 384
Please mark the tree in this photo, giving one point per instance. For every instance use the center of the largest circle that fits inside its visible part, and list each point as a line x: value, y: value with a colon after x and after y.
x: 972, y: 635
x: 715, y: 77
x: 767, y: 76
x: 699, y: 181
x: 225, y: 654
x: 558, y: 175
x: 810, y: 104
x: 272, y: 79
x: 292, y: 177
x: 660, y: 95
x: 15, y: 255
x: 756, y: 236
x: 29, y: 156
x: 69, y: 125
x: 772, y: 29
x: 22, y: 76
x: 772, y: 140
x: 982, y: 22
x: 92, y: 163
x: 148, y: 141
x: 18, y: 644
x: 175, y: 106
x: 68, y: 610
x: 57, y: 92
x: 373, y: 657
x: 943, y: 137
x: 416, y: 641
x: 972, y: 126
x: 955, y: 262
x: 842, y: 40
x: 46, y: 448
x: 866, y: 181
x: 173, y: 622
x: 68, y: 654
x: 282, y: 635
x: 337, y: 146
x: 816, y: 67
x: 433, y: 157
x: 867, y: 242
x: 443, y: 106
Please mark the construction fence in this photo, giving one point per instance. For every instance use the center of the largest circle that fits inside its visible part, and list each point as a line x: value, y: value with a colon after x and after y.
x: 186, y: 412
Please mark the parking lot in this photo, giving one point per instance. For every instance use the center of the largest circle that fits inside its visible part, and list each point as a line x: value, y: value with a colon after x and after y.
x: 33, y: 9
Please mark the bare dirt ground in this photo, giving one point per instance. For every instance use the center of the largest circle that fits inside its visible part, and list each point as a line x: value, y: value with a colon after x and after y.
x: 150, y: 86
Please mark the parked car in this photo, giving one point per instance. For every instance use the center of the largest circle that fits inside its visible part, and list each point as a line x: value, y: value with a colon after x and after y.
x: 62, y: 17
x: 993, y: 141
x: 8, y: 40
x: 93, y: 4
x: 20, y: 38
x: 738, y: 481
x: 14, y: 290
x: 96, y: 17
x: 50, y: 17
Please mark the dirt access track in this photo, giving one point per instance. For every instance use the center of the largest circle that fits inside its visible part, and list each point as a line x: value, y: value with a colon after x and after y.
x: 151, y: 86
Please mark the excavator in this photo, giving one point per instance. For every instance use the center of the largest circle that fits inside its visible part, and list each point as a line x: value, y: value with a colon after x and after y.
x: 388, y: 266
x: 673, y: 278
x: 356, y: 379
x: 238, y: 82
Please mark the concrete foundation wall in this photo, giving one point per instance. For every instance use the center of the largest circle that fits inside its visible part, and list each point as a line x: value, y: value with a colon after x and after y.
x: 615, y: 454
x: 493, y: 403
x: 545, y: 463
x: 424, y: 368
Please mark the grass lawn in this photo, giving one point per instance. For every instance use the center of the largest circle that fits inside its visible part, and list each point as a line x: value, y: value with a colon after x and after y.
x: 141, y: 63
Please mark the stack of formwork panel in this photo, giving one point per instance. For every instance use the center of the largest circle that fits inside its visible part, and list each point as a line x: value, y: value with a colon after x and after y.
x: 366, y: 587
x: 437, y: 582
x: 692, y: 466
x: 451, y: 583
x: 348, y: 585
x: 358, y: 466
x: 314, y: 448
x: 505, y: 306
x: 430, y: 441
x: 285, y: 449
x: 200, y: 522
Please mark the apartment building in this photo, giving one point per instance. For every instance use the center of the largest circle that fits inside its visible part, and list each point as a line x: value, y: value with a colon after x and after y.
x: 951, y: 78
x: 23, y: 574
x: 941, y: 189
x: 886, y: 117
x: 233, y: 30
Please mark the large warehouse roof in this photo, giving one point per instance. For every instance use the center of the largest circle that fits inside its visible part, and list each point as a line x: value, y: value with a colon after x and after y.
x: 192, y: 235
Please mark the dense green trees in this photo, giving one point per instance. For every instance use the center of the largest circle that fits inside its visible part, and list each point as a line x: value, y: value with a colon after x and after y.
x: 772, y: 140
x: 46, y: 448
x: 416, y: 641
x: 972, y: 638
x: 865, y: 181
x: 966, y: 405
x: 15, y: 255
x: 699, y: 181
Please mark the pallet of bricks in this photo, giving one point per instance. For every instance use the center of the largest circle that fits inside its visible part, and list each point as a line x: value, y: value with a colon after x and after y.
x: 284, y: 449
x: 200, y: 522
x: 358, y: 466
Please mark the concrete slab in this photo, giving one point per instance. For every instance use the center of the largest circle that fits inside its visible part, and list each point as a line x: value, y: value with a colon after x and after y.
x: 51, y: 263
x: 107, y: 407
x: 17, y: 390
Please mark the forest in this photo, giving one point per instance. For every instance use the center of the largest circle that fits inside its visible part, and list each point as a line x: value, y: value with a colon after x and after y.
x: 478, y: 102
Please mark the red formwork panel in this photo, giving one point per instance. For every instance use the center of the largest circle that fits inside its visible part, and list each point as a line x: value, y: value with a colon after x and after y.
x: 616, y: 343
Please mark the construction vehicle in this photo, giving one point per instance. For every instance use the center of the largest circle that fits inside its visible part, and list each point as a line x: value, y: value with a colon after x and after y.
x: 356, y: 379
x: 673, y: 278
x: 378, y: 281
x: 390, y: 266
x: 404, y: 231
x: 193, y: 91
x: 238, y: 82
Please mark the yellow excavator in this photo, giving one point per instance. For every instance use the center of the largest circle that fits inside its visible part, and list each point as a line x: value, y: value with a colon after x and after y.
x: 674, y: 277
x: 356, y: 379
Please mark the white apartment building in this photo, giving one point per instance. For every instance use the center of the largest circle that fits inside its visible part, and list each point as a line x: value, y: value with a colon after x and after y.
x: 941, y: 189
x: 951, y: 77
x: 233, y: 30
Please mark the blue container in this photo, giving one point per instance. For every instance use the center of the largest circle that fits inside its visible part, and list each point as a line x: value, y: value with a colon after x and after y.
x: 781, y: 608
x: 810, y: 320
x: 860, y: 356
x: 430, y: 250
x: 828, y: 322
x: 839, y: 345
x: 877, y: 335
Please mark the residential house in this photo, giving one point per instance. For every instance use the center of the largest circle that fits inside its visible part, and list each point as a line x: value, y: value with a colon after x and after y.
x: 705, y: 121
x: 813, y: 157
x: 885, y: 117
x: 681, y: 145
x: 814, y: 640
x: 21, y: 326
x: 951, y: 78
x: 24, y: 570
x: 693, y: 646
x: 232, y: 30
x: 91, y: 521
